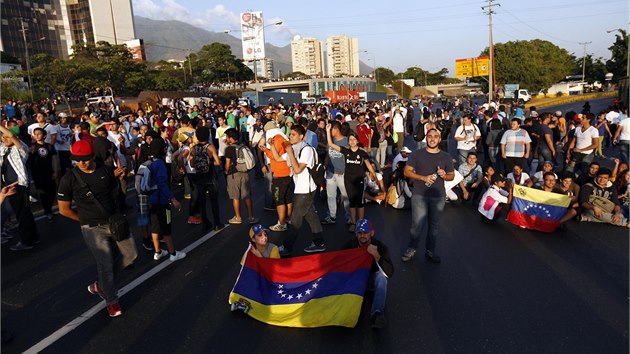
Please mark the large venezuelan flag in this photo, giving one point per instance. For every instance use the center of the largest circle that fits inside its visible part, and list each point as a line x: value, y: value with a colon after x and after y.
x: 324, y: 289
x: 536, y: 209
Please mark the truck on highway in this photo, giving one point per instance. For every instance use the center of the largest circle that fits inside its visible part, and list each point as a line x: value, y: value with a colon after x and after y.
x: 342, y: 96
x: 372, y: 96
x: 272, y: 97
x: 514, y: 92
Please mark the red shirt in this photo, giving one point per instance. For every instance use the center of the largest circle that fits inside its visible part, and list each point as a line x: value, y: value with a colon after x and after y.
x: 364, y: 131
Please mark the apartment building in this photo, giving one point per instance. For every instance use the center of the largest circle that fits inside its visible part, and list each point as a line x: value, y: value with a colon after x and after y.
x: 342, y: 56
x: 307, y: 56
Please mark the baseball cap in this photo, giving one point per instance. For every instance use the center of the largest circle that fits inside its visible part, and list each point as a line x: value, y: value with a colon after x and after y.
x: 363, y: 225
x: 558, y: 113
x: 548, y: 162
x: 63, y: 114
x: 405, y: 149
x: 269, y: 125
x: 81, y: 151
x: 255, y: 230
x: 498, y: 177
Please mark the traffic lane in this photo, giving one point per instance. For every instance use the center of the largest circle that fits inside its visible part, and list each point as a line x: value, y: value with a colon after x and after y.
x: 499, y: 288
x: 597, y: 106
x: 54, y: 275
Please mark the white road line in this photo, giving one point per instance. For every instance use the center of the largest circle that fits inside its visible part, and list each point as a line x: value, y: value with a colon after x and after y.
x: 46, y: 342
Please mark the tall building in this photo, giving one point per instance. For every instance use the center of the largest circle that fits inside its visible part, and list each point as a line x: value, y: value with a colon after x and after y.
x: 264, y: 67
x: 342, y: 54
x: 307, y: 56
x: 53, y: 26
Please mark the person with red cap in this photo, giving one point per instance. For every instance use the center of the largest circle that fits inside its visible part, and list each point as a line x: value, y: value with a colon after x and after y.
x: 382, y: 268
x: 87, y: 185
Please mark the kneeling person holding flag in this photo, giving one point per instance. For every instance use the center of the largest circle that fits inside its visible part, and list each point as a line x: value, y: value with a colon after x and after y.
x: 382, y: 268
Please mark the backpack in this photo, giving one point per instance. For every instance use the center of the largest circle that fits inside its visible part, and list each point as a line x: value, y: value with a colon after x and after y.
x: 201, y: 160
x: 145, y: 184
x: 244, y: 158
x: 418, y: 133
x: 392, y: 195
x: 318, y: 171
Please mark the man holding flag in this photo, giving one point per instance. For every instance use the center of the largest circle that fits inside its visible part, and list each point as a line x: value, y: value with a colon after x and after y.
x: 382, y: 268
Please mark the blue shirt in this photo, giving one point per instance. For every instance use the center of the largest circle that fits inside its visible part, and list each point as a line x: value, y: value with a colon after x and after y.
x: 163, y: 194
x: 311, y: 138
x: 9, y: 110
x: 337, y: 159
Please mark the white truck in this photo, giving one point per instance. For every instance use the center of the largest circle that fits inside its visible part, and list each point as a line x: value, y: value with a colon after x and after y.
x: 514, y: 92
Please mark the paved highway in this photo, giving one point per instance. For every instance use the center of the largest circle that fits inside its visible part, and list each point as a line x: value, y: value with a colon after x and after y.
x: 499, y: 288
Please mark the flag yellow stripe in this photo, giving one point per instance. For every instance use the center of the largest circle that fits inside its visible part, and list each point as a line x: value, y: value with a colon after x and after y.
x: 539, y: 196
x: 337, y: 310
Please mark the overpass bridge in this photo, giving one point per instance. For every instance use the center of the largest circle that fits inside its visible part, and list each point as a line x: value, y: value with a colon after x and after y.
x: 317, y: 87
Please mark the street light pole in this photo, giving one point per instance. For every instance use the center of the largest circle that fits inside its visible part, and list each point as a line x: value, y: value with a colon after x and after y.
x: 27, y: 59
x: 584, y: 60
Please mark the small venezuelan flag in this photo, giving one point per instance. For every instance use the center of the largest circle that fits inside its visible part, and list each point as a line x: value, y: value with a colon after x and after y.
x: 318, y: 290
x: 536, y: 209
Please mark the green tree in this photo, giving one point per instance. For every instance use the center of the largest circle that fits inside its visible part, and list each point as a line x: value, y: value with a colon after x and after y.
x: 295, y: 75
x: 535, y: 64
x: 215, y: 62
x: 618, y: 62
x: 385, y: 75
x: 595, y: 68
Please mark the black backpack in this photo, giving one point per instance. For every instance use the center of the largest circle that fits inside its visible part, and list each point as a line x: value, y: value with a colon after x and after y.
x: 201, y: 160
x: 418, y: 132
x: 318, y: 171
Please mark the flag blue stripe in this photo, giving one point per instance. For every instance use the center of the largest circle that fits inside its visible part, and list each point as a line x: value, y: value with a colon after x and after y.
x: 540, y: 210
x: 259, y: 289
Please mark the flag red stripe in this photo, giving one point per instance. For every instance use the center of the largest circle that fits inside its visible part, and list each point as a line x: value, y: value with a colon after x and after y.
x: 532, y: 222
x: 311, y: 267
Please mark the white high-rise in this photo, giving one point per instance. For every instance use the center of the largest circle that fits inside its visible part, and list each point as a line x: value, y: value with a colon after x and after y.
x: 307, y: 56
x: 342, y: 54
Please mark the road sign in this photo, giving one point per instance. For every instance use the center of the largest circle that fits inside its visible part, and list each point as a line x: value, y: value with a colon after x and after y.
x: 471, y: 67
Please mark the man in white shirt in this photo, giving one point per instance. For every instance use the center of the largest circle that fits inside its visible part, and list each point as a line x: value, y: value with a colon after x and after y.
x: 301, y: 158
x: 466, y: 136
x: 399, y: 126
x: 401, y: 157
x: 51, y: 130
x: 623, y: 134
x: 583, y: 144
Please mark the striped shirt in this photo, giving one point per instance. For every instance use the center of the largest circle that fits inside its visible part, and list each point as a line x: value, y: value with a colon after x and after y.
x: 515, y: 142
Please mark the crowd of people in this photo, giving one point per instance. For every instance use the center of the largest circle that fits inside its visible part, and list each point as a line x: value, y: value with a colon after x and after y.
x: 347, y: 153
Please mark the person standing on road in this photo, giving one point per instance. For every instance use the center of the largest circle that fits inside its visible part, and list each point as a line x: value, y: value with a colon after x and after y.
x: 466, y: 136
x: 160, y: 202
x: 335, y: 175
x: 13, y: 156
x: 382, y: 268
x: 623, y: 134
x: 515, y: 146
x: 44, y: 171
x: 101, y: 182
x: 428, y: 168
x: 302, y: 157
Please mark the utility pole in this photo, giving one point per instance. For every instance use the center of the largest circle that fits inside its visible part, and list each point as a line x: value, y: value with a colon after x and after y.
x: 27, y: 58
x: 584, y: 60
x: 491, y: 77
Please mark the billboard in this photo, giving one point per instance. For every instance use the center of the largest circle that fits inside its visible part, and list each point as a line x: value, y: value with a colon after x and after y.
x: 252, y: 35
x: 136, y: 48
x: 471, y: 67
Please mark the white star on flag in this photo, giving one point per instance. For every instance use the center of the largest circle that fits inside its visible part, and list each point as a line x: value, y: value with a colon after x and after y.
x: 307, y: 291
x: 290, y: 297
x: 314, y: 285
x: 280, y: 291
x: 299, y: 296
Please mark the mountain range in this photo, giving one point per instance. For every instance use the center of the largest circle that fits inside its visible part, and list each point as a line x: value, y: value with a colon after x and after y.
x: 164, y: 40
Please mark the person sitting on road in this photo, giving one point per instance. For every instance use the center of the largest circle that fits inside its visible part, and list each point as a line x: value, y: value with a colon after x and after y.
x: 589, y: 176
x: 537, y: 179
x: 401, y: 157
x: 519, y: 177
x: 382, y: 268
x: 260, y: 245
x: 549, y: 185
x: 374, y: 189
x: 599, y: 201
x: 495, y: 198
x: 472, y: 177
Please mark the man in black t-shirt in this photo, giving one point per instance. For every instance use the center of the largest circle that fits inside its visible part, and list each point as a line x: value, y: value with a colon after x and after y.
x: 101, y: 182
x: 43, y: 165
x: 428, y: 169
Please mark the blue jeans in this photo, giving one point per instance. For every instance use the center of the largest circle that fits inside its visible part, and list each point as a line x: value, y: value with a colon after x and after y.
x: 425, y: 209
x: 624, y: 147
x: 99, y: 241
x: 334, y: 181
x: 379, y: 281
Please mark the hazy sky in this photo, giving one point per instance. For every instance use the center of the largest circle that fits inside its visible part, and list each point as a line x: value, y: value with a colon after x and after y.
x: 402, y: 33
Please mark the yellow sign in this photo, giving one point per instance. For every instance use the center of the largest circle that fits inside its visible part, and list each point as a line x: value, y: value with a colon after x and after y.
x: 471, y: 67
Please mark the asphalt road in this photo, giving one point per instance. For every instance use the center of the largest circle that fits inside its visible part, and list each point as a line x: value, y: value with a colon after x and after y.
x: 499, y: 288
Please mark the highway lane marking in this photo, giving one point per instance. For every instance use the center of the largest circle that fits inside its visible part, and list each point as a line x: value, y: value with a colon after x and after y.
x: 67, y: 328
x: 58, y: 334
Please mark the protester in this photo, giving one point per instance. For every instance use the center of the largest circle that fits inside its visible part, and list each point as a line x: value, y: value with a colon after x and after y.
x: 599, y: 201
x: 88, y: 186
x: 380, y: 273
x: 237, y: 181
x: 261, y: 247
x: 495, y: 199
x: 428, y: 169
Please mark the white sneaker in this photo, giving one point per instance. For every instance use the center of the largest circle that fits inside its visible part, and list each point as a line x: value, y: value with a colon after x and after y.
x: 278, y: 227
x: 178, y: 255
x: 158, y: 256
